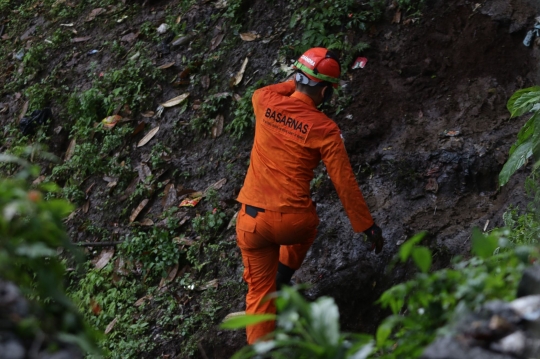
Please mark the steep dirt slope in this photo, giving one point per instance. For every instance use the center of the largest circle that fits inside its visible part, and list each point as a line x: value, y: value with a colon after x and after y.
x: 449, y: 76
x: 426, y: 128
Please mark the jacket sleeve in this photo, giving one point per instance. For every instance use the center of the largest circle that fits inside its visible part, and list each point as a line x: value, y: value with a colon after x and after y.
x: 336, y: 160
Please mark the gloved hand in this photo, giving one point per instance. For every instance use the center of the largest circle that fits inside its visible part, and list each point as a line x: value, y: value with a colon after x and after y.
x: 374, y: 234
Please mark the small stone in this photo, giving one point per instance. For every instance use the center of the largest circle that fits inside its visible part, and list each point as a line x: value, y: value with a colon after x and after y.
x: 12, y: 350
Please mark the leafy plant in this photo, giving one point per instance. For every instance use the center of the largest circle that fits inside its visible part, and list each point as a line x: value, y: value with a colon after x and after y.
x: 157, y: 251
x: 410, y: 6
x: 304, y: 330
x: 424, y: 306
x: 243, y: 118
x: 528, y: 141
x: 321, y: 19
x: 31, y: 232
x: 524, y: 228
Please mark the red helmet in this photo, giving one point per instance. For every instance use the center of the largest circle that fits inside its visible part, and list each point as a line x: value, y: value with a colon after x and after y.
x: 320, y: 64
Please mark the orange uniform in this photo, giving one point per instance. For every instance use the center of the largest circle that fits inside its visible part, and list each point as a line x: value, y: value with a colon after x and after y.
x: 291, y: 138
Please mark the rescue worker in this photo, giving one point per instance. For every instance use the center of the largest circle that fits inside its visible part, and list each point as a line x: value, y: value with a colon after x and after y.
x: 277, y: 222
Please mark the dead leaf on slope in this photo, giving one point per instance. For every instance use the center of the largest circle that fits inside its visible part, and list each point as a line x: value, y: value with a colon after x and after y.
x: 216, y: 185
x: 81, y: 39
x: 139, y: 128
x: 141, y: 301
x: 144, y: 171
x: 205, y: 82
x: 216, y: 41
x: 132, y: 36
x: 70, y: 150
x: 94, y: 13
x: 397, y: 17
x: 170, y: 196
x: 103, y: 259
x: 148, y: 114
x: 211, y: 284
x: 131, y: 188
x: 176, y: 100
x: 86, y: 206
x: 111, y: 325
x: 147, y: 222
x: 184, y: 241
x: 170, y: 276
x: 138, y: 210
x: 238, y: 77
x: 217, y: 129
x: 249, y: 36
x: 167, y: 65
x: 221, y: 4
x: 23, y: 111
x: 148, y: 137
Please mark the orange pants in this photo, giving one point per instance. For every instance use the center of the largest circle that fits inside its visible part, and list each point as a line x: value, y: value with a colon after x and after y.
x: 265, y: 240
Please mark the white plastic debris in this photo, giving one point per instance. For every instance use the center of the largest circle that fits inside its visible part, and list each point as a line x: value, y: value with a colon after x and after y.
x: 163, y: 28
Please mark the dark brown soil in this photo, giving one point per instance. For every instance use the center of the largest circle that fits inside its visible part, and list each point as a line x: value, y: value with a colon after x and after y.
x: 451, y: 70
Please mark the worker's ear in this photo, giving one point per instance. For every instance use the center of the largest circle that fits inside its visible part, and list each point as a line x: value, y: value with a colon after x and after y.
x: 327, y: 93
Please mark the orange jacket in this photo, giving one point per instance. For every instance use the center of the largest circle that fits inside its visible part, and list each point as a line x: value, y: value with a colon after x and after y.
x: 291, y: 138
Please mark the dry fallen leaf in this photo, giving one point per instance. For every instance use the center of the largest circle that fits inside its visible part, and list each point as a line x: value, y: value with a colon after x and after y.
x: 170, y: 197
x: 81, y: 39
x: 397, y: 17
x: 147, y: 222
x: 104, y: 258
x: 249, y: 36
x: 141, y: 301
x: 94, y: 13
x: 232, y: 222
x: 170, y: 276
x: 217, y: 129
x: 175, y: 101
x: 166, y: 66
x: 111, y: 325
x: 39, y: 180
x: 432, y: 185
x: 216, y: 185
x: 86, y: 206
x: 138, y: 129
x: 205, y: 82
x: 184, y: 241
x: 23, y: 111
x: 132, y: 36
x: 138, y: 210
x: 148, y: 114
x: 148, y: 137
x: 144, y: 171
x: 70, y: 150
x: 212, y: 284
x: 216, y: 41
x: 121, y: 266
x: 110, y: 121
x: 238, y: 77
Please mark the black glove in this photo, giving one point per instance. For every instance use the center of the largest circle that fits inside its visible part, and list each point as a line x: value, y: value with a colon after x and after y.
x: 374, y: 234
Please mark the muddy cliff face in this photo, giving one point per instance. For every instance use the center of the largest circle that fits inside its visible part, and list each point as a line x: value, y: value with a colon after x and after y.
x: 427, y: 132
x: 425, y: 126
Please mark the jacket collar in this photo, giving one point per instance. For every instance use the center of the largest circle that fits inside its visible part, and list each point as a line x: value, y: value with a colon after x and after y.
x: 304, y: 98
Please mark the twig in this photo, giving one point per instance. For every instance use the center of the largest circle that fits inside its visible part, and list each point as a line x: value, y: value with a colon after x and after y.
x: 98, y: 244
